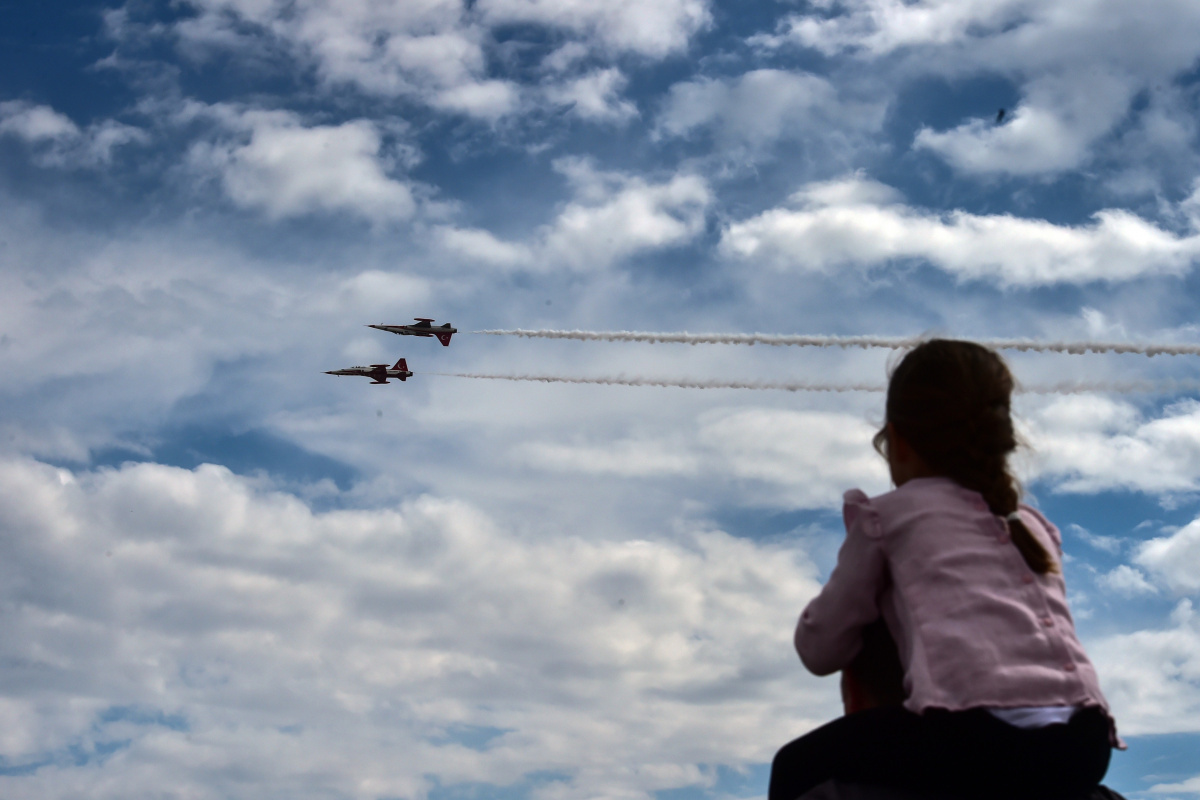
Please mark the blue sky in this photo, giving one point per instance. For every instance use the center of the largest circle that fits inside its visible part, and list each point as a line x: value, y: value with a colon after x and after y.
x: 228, y: 575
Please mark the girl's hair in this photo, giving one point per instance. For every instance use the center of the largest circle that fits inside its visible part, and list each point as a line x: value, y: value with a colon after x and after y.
x: 950, y: 400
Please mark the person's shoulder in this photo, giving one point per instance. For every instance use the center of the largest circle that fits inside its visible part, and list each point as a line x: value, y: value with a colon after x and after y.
x: 840, y: 790
x: 921, y: 493
x: 858, y: 511
x: 880, y: 513
x: 1028, y: 511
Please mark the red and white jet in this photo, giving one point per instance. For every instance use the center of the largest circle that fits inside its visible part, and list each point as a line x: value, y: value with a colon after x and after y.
x: 378, y: 373
x: 424, y: 327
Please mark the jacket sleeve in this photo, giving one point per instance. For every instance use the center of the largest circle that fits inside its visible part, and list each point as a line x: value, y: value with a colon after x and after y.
x: 829, y: 634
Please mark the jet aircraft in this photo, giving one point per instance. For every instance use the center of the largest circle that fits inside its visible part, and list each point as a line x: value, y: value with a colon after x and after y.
x: 378, y: 373
x: 424, y: 327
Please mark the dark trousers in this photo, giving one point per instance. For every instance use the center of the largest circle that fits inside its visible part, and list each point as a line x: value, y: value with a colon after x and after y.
x: 962, y: 753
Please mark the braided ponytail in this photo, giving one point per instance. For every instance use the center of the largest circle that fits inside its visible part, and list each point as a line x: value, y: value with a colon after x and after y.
x: 950, y: 400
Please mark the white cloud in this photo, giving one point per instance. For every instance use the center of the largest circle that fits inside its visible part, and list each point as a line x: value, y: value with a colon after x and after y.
x: 654, y: 30
x: 35, y: 123
x: 594, y: 96
x: 1189, y: 786
x: 59, y: 141
x: 797, y: 459
x: 376, y: 292
x: 1126, y: 581
x: 1152, y: 677
x: 440, y: 52
x: 1175, y: 559
x: 1079, y: 66
x: 858, y: 222
x: 627, y: 458
x: 228, y: 638
x: 611, y: 217
x: 761, y: 107
x: 1109, y: 544
x: 284, y: 168
x: 878, y: 27
x: 432, y: 51
x: 616, y: 216
x: 480, y: 246
x: 155, y: 316
x: 1091, y: 443
x: 1050, y: 131
x: 807, y: 458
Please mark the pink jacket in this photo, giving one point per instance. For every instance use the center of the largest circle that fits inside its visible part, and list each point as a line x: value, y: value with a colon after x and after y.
x: 973, y: 624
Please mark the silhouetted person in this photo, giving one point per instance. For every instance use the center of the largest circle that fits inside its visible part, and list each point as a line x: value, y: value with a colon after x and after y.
x: 975, y: 684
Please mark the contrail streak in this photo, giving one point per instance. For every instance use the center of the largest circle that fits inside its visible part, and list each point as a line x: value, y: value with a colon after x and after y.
x: 678, y: 383
x: 886, y: 342
x: 1064, y: 387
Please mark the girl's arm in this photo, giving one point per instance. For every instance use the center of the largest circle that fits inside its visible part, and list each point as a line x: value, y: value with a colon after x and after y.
x: 875, y: 678
x: 829, y: 634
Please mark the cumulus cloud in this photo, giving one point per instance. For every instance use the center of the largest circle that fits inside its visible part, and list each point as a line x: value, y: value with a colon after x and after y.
x: 594, y: 96
x: 1189, y: 786
x: 878, y: 27
x: 100, y: 337
x: 760, y: 107
x: 442, y: 52
x: 1152, y: 677
x: 618, y: 215
x: 1079, y: 67
x: 59, y: 142
x: 478, y: 246
x: 284, y: 168
x: 185, y: 628
x: 798, y: 459
x: 612, y: 216
x: 1091, y: 443
x: 431, y: 51
x: 857, y: 222
x: 1109, y: 544
x: 1174, y: 559
x: 1126, y: 581
x: 628, y: 458
x: 654, y: 30
x: 1050, y: 131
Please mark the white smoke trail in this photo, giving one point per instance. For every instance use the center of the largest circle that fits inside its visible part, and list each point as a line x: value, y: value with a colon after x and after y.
x: 1112, y: 387
x: 678, y: 383
x: 887, y: 342
x: 1064, y: 387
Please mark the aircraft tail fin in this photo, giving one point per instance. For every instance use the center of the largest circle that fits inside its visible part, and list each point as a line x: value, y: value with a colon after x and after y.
x: 444, y: 338
x: 402, y: 365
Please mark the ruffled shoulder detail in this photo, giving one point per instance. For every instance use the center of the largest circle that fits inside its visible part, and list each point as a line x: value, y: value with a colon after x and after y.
x: 857, y: 510
x: 1047, y: 525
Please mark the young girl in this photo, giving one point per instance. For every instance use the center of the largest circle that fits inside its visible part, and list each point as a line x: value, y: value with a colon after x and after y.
x: 998, y: 696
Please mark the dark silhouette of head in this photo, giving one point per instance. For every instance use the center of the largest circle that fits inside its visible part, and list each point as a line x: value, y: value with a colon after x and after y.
x: 950, y: 400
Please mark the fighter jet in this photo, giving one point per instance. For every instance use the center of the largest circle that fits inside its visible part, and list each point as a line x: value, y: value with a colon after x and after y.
x: 378, y: 373
x: 424, y: 327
